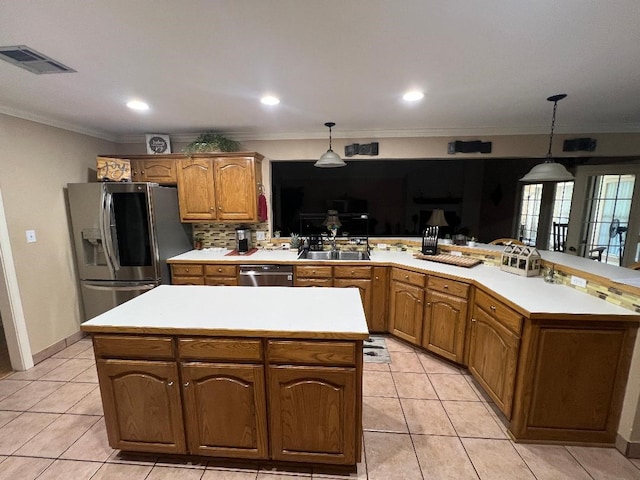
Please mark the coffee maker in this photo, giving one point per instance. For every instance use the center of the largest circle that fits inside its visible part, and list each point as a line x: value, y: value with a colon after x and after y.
x: 243, y: 240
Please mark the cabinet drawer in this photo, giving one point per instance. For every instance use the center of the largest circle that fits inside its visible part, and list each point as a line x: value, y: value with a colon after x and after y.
x: 187, y: 270
x: 222, y: 349
x: 504, y: 315
x: 352, y: 272
x: 220, y: 270
x: 311, y: 353
x: 317, y: 271
x: 448, y: 286
x: 221, y: 281
x: 130, y: 346
x: 417, y: 279
x: 313, y: 282
x: 187, y: 280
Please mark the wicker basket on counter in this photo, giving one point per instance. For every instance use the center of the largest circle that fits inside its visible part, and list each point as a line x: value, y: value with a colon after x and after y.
x: 521, y: 260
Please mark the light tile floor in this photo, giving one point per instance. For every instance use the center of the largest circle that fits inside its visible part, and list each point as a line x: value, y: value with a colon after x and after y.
x: 423, y: 419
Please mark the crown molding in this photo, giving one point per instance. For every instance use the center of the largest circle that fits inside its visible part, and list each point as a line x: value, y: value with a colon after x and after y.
x: 452, y: 132
x: 52, y: 122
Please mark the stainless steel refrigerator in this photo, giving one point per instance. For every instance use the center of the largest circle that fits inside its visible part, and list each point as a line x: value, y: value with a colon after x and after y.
x: 123, y: 233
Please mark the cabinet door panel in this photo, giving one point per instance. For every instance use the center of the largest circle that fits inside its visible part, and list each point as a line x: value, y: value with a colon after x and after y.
x: 493, y: 358
x: 159, y: 171
x: 406, y: 310
x: 196, y: 193
x: 364, y: 285
x: 236, y: 189
x: 313, y: 282
x: 380, y: 294
x: 142, y: 406
x: 313, y: 414
x: 445, y: 324
x: 226, y: 409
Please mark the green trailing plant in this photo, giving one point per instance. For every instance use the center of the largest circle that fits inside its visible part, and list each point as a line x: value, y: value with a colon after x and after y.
x: 211, y: 142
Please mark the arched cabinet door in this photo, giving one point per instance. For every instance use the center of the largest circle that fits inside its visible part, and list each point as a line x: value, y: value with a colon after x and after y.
x: 196, y: 190
x: 226, y: 409
x: 142, y: 406
x: 236, y: 191
x: 312, y: 411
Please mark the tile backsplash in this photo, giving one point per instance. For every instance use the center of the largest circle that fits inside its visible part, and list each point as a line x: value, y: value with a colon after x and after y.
x: 224, y: 234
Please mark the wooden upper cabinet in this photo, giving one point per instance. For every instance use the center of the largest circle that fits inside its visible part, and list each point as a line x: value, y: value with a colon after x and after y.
x: 196, y: 191
x: 236, y: 189
x: 157, y: 170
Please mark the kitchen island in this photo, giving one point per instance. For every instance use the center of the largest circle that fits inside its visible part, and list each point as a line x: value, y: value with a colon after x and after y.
x: 230, y: 372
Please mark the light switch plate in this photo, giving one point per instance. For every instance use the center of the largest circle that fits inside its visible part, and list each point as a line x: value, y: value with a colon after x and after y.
x: 31, y: 236
x: 578, y: 281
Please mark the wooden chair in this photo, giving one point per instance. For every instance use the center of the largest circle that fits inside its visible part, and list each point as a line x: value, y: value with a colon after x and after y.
x: 505, y: 241
x: 634, y: 266
x: 560, y: 236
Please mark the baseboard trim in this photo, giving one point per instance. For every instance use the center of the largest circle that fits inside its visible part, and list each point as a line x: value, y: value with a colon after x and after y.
x: 57, y: 347
x: 628, y: 449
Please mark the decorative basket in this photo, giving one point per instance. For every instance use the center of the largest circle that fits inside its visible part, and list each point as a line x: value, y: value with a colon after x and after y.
x: 521, y: 260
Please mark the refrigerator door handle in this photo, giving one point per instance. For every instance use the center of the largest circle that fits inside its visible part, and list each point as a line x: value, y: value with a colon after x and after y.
x: 120, y: 288
x: 107, y: 214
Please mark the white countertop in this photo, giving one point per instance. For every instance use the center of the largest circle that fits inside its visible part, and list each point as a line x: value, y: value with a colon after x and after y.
x: 532, y: 294
x: 239, y: 311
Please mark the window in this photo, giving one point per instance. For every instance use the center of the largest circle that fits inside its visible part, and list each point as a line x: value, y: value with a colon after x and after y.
x: 530, y: 213
x: 561, y: 206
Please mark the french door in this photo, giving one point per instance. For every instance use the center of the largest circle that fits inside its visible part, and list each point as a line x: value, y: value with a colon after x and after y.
x: 605, y: 213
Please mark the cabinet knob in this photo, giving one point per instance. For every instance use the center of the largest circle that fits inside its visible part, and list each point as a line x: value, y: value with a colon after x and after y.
x: 142, y: 172
x: 473, y: 320
x: 220, y: 208
x: 170, y: 384
x: 212, y: 208
x: 446, y: 286
x: 353, y: 272
x: 377, y: 278
x: 313, y: 271
x: 186, y: 270
x: 428, y: 304
x: 219, y: 270
x: 185, y: 384
x: 406, y: 277
x: 493, y: 307
x: 419, y: 301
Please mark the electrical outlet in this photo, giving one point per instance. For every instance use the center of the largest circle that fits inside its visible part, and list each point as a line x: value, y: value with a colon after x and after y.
x: 578, y: 281
x: 31, y: 236
x: 261, y: 236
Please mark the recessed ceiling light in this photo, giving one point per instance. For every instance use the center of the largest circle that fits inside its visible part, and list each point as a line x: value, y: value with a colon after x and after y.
x: 270, y: 100
x: 137, y: 105
x: 413, y: 96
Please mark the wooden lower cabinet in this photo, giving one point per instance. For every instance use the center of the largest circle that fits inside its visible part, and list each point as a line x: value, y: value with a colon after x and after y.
x: 406, y: 307
x: 187, y: 274
x: 224, y: 397
x: 493, y: 356
x: 225, y: 409
x: 573, y: 379
x: 445, y: 323
x: 379, y: 303
x: 142, y: 405
x: 221, y: 275
x: 312, y: 414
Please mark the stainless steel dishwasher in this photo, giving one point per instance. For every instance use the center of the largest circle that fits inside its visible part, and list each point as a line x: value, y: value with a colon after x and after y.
x: 266, y: 276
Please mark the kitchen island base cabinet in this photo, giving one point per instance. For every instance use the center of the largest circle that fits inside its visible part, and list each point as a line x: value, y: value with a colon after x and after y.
x: 225, y: 409
x: 312, y: 413
x: 142, y: 405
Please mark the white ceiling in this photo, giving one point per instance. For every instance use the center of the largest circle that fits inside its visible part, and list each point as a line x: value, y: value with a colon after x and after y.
x: 486, y: 67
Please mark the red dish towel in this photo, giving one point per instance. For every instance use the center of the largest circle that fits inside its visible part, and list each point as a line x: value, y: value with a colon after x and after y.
x: 262, y: 208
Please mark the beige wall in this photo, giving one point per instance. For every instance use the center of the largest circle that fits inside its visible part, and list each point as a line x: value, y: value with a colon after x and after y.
x: 36, y: 163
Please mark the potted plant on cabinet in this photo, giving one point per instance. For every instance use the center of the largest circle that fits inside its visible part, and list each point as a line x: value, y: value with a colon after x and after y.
x: 211, y: 142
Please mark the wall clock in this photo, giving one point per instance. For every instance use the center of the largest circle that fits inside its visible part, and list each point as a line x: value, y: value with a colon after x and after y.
x: 157, y: 143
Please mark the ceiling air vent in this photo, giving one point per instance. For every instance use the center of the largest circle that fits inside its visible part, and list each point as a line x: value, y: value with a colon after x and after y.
x: 27, y: 58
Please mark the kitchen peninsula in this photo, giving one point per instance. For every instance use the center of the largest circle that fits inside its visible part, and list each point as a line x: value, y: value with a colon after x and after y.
x: 554, y: 360
x: 232, y: 372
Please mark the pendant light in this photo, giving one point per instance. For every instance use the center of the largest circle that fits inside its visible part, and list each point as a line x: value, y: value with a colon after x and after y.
x: 549, y: 171
x: 329, y: 159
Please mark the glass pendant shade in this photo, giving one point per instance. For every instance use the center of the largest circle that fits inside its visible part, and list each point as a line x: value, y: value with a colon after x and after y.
x: 549, y: 171
x: 329, y: 159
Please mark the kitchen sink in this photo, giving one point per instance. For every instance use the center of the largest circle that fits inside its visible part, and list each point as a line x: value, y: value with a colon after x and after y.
x: 329, y: 255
